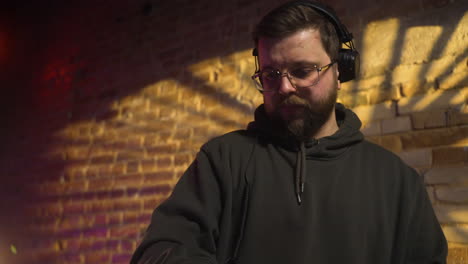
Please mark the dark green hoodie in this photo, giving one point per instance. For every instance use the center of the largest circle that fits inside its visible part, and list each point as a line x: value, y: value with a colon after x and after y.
x: 258, y: 196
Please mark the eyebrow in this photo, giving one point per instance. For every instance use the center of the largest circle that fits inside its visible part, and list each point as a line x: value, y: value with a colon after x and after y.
x: 295, y: 64
x: 303, y: 63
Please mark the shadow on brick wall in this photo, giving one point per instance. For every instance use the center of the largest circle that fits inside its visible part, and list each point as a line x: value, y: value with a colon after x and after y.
x: 110, y: 103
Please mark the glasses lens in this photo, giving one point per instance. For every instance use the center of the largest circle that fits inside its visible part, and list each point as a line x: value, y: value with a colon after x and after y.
x: 270, y: 79
x: 304, y: 77
x: 258, y: 83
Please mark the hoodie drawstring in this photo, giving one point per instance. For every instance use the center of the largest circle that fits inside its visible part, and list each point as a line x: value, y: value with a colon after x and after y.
x: 300, y: 172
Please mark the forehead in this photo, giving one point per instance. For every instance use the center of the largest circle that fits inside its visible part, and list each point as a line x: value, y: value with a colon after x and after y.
x: 302, y: 46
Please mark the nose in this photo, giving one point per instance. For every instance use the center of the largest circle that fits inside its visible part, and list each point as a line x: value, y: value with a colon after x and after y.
x: 286, y: 87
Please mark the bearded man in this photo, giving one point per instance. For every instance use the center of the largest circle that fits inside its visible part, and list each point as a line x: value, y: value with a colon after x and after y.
x: 300, y: 185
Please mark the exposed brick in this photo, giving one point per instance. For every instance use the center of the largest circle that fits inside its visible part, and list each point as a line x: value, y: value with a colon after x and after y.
x: 134, y: 142
x: 73, y: 208
x: 98, y: 258
x: 450, y: 214
x: 150, y: 140
x: 71, y: 257
x: 103, y: 159
x: 127, y: 246
x: 130, y: 155
x: 112, y: 244
x: 100, y: 206
x: 105, y: 170
x: 413, y: 87
x: 114, y: 144
x: 85, y: 244
x: 100, y: 219
x: 70, y: 222
x: 118, y: 168
x: 455, y: 175
x: 161, y: 149
x: 421, y: 158
x: 164, y: 162
x: 69, y: 233
x: 381, y: 111
x: 456, y: 234
x: 51, y: 188
x: 124, y: 232
x: 182, y: 159
x: 100, y: 184
x: 74, y: 187
x: 372, y: 129
x: 133, y: 167
x: 158, y: 177
x: 130, y: 216
x: 378, y: 95
x: 97, y: 244
x: 115, y: 218
x: 153, y: 190
x: 457, y: 117
x: 435, y: 100
x: 184, y: 133
x: 391, y: 142
x: 398, y: 124
x: 435, y: 137
x: 121, y: 258
x: 457, y: 255
x: 429, y: 119
x: 453, y: 81
x: 354, y: 99
x: 453, y: 194
x: 71, y: 244
x: 116, y: 193
x: 123, y: 205
x: 128, y: 181
x: 450, y: 156
x: 98, y: 232
x: 75, y: 175
x: 45, y: 210
x: 151, y: 203
x: 147, y: 165
x: 131, y: 192
x: 92, y: 173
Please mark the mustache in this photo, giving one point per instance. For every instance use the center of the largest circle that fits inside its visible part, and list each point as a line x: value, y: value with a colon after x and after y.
x: 294, y: 100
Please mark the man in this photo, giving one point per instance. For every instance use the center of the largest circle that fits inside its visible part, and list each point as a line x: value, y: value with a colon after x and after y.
x: 300, y: 185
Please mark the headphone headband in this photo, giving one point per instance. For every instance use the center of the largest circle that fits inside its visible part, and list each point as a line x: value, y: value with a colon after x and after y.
x: 348, y: 59
x: 341, y: 30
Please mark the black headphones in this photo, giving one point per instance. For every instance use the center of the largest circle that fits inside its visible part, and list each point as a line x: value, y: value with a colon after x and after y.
x: 348, y: 58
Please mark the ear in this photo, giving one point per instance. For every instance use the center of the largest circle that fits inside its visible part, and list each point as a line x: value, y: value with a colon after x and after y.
x: 338, y: 85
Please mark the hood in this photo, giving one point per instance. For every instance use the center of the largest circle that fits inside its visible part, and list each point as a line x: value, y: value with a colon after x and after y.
x: 325, y: 148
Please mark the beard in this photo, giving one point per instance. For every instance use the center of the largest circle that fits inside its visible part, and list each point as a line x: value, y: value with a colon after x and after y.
x: 307, y: 118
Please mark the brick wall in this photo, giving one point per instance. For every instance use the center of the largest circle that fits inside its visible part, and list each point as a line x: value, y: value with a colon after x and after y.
x: 107, y: 104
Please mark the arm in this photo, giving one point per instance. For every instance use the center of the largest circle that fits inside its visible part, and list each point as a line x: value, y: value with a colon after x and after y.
x: 184, y: 228
x: 426, y: 241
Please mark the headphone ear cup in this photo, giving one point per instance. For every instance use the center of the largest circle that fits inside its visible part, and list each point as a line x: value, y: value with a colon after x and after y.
x: 348, y: 64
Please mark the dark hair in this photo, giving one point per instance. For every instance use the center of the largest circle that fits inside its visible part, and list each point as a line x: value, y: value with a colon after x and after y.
x: 292, y: 17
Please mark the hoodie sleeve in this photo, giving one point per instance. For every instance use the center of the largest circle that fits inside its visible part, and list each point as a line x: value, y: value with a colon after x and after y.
x: 184, y: 228
x: 425, y: 241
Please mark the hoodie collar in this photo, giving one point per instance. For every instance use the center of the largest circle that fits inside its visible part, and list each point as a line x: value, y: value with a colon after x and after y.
x: 323, y: 148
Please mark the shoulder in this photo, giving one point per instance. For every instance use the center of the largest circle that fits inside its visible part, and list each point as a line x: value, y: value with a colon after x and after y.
x: 231, y: 154
x: 385, y: 159
x: 388, y: 168
x: 233, y: 141
x: 372, y: 149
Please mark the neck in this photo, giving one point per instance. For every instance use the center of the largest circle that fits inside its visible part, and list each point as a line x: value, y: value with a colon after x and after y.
x: 329, y: 128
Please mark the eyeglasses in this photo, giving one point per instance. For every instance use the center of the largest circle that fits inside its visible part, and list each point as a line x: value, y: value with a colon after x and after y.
x: 269, y: 80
